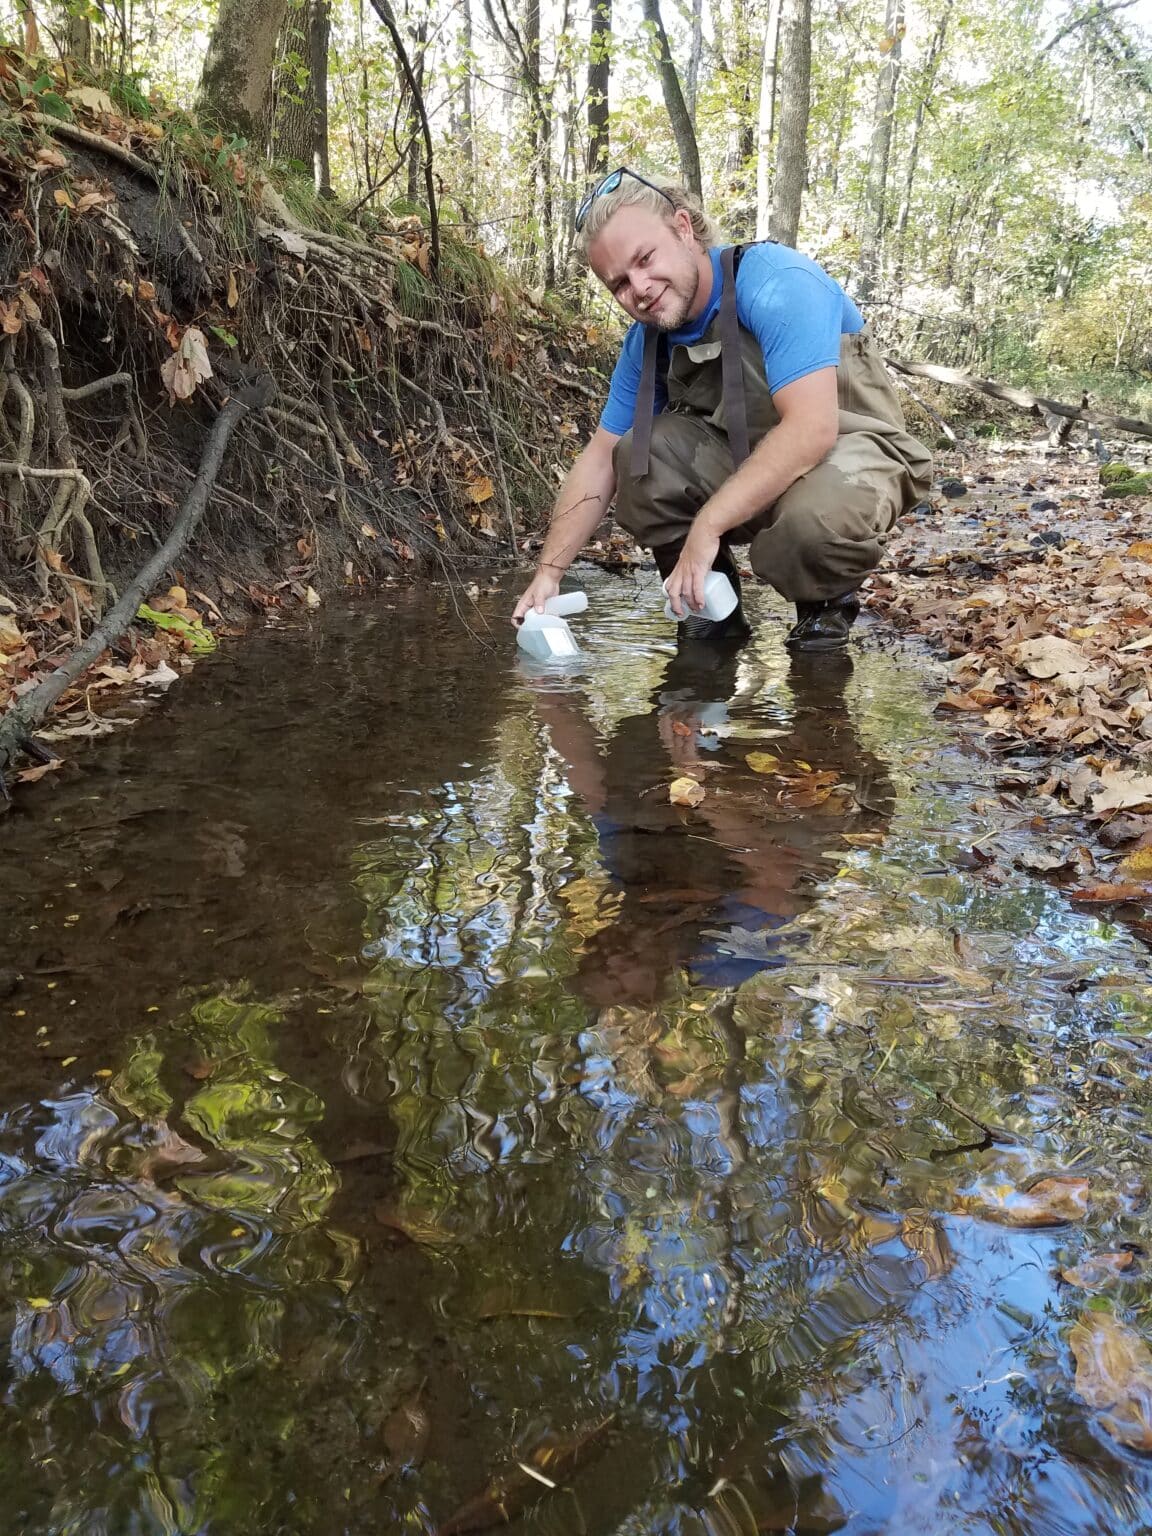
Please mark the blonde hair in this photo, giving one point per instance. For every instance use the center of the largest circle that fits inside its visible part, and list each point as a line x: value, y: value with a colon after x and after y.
x: 637, y: 194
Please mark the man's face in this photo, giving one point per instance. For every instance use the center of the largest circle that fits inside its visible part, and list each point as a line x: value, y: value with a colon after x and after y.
x: 653, y: 268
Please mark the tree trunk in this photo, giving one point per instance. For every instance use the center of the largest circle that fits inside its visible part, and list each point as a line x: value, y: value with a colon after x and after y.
x: 766, y: 125
x: 695, y: 50
x: 236, y: 80
x: 539, y: 104
x: 674, y: 102
x: 599, y: 74
x: 875, y: 194
x: 927, y: 85
x: 795, y: 103
x: 467, y: 109
x: 419, y: 38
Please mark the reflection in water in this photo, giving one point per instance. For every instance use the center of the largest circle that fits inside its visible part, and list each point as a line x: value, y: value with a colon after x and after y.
x: 422, y: 1065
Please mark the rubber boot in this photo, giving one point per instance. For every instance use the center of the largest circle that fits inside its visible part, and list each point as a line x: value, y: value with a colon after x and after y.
x: 823, y: 626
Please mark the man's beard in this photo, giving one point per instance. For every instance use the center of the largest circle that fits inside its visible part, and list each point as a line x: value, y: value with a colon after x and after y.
x: 673, y: 318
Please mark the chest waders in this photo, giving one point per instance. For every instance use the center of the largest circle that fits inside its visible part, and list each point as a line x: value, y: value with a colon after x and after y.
x: 818, y: 540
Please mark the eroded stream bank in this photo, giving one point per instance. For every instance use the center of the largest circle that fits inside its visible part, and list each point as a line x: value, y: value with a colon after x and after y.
x: 400, y: 1095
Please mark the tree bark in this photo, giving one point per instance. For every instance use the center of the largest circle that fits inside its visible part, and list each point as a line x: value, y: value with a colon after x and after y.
x: 677, y: 109
x: 236, y: 80
x: 599, y: 74
x: 880, y: 150
x: 300, y: 119
x: 695, y: 51
x: 467, y: 108
x: 766, y: 120
x: 927, y: 85
x: 795, y: 104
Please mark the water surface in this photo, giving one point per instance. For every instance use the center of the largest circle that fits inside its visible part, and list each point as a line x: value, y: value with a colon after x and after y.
x: 400, y: 1093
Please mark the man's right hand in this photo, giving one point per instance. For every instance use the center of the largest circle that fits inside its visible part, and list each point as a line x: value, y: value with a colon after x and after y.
x: 545, y: 584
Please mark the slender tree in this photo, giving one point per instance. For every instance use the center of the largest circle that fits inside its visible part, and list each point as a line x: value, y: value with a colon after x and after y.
x: 599, y: 75
x: 766, y: 119
x: 682, y: 128
x: 795, y: 104
x: 880, y: 151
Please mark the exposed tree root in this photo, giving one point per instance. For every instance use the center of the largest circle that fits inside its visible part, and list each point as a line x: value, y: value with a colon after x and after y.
x: 20, y: 722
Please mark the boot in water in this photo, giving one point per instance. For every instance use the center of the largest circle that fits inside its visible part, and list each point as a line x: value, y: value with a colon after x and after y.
x: 733, y: 630
x: 823, y: 626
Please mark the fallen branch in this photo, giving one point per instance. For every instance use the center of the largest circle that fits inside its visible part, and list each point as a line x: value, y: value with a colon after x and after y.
x: 17, y: 726
x: 933, y: 415
x: 1021, y: 398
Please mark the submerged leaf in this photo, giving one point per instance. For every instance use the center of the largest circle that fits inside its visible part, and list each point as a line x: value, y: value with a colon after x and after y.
x: 1114, y: 1376
x: 1097, y: 1270
x: 1051, y: 1202
x: 685, y: 792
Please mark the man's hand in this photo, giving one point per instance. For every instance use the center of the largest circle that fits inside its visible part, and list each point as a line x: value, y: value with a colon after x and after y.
x: 545, y: 584
x: 685, y: 586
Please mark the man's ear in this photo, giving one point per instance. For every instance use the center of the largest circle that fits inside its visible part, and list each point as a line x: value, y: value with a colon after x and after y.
x: 682, y: 220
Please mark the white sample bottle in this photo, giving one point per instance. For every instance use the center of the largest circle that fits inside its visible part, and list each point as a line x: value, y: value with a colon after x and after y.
x: 545, y: 636
x: 719, y: 599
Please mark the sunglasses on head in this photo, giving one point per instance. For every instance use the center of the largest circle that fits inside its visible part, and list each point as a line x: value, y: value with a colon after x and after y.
x: 608, y: 184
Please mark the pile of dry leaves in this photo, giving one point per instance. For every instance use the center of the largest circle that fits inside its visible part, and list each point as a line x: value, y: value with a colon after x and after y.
x: 1040, y: 590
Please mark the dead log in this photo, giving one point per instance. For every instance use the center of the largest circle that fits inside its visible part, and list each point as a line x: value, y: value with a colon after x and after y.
x: 19, y: 723
x: 1023, y: 399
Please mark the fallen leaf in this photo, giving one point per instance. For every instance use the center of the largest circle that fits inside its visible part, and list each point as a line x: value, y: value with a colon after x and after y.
x: 406, y: 1433
x: 311, y: 597
x: 233, y: 292
x: 685, y: 792
x: 1096, y: 1271
x: 291, y: 242
x: 1108, y: 891
x: 1123, y: 789
x: 762, y: 762
x: 1138, y: 865
x: 1050, y: 657
x: 1114, y: 1376
x: 1051, y: 1202
x: 11, y: 636
x: 94, y: 99
x: 33, y: 775
x: 1141, y: 550
x: 188, y: 366
x: 481, y: 489
x: 62, y: 198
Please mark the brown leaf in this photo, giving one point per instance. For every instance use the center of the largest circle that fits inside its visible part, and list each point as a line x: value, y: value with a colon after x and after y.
x: 11, y: 321
x: 406, y: 1433
x: 1123, y: 789
x: 1114, y: 1376
x: 481, y: 489
x: 62, y: 198
x: 1108, y: 891
x: 188, y: 367
x: 233, y: 292
x: 685, y: 792
x: 1097, y: 1270
x: 1052, y: 1202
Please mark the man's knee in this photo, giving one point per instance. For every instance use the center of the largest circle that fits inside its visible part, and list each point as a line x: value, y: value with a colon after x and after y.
x: 827, y: 534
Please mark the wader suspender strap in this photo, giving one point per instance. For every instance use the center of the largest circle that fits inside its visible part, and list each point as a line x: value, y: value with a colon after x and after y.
x: 645, y: 405
x: 731, y: 361
x: 731, y: 377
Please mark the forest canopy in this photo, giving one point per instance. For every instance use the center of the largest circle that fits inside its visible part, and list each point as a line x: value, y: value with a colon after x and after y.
x: 978, y: 171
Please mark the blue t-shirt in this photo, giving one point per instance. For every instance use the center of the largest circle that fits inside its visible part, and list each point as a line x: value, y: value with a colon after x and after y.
x: 797, y: 312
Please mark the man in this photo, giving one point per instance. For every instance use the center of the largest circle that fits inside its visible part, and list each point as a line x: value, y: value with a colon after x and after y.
x: 748, y: 406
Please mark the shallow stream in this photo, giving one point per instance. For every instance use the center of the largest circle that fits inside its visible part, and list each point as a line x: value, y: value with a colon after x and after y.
x: 411, y: 1121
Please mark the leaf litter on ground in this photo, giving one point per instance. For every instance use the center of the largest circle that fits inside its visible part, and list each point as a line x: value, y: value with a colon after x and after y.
x: 1049, y: 641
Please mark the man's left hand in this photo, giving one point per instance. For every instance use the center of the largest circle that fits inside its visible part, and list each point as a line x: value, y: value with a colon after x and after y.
x: 685, y: 586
